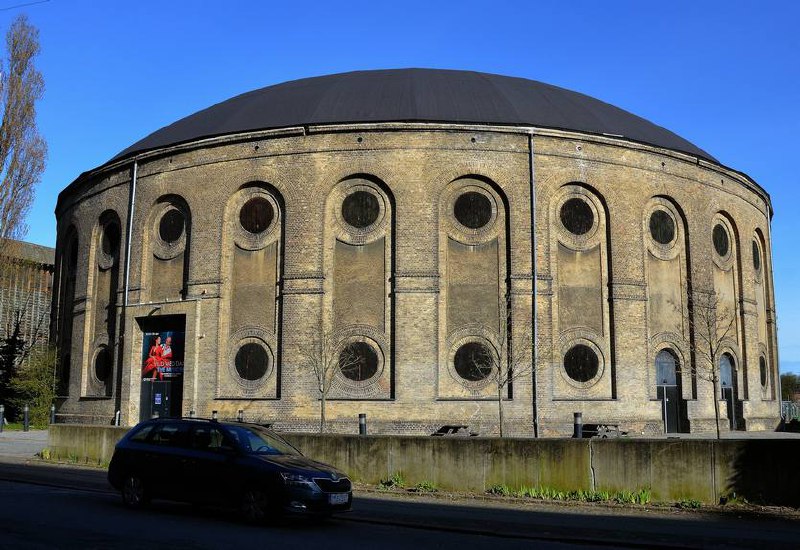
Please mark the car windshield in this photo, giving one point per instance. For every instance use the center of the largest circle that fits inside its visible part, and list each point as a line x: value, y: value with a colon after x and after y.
x: 256, y: 440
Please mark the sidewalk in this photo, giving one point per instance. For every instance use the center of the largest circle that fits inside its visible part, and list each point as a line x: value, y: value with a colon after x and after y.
x: 22, y: 445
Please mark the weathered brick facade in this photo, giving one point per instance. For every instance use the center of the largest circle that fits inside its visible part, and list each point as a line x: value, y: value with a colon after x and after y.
x: 416, y: 284
x: 26, y: 284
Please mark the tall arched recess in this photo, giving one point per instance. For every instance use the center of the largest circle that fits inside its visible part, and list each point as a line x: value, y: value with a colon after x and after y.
x: 473, y: 270
x: 359, y: 288
x: 250, y: 312
x: 98, y: 380
x: 668, y: 287
x: 168, y: 234
x: 727, y: 270
x: 764, y: 317
x: 583, y: 317
x: 67, y: 276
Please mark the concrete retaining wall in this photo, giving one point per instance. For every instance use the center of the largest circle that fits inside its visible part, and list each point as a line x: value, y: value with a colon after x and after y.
x: 705, y: 470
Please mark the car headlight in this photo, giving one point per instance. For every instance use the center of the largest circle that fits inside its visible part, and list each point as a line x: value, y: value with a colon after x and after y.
x: 296, y: 480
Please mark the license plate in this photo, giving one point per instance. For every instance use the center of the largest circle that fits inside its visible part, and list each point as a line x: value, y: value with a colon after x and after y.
x: 337, y: 498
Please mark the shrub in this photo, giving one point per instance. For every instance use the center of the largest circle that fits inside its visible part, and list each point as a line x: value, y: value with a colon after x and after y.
x: 33, y: 386
x: 688, y: 503
x: 396, y: 481
x: 500, y: 490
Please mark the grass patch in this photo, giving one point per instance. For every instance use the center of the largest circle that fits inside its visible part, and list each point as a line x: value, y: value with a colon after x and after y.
x: 642, y: 496
x: 426, y: 487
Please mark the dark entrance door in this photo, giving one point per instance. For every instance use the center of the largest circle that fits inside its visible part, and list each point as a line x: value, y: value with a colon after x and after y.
x: 668, y: 391
x: 728, y: 385
x: 670, y: 407
x: 162, y: 364
x: 156, y: 398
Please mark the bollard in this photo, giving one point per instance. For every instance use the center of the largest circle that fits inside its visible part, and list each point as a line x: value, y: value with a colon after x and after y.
x: 577, y: 432
x: 26, y: 420
x: 213, y: 415
x: 155, y: 414
x: 2, y: 417
x: 53, y: 413
x: 240, y: 416
x: 192, y: 413
x: 362, y: 424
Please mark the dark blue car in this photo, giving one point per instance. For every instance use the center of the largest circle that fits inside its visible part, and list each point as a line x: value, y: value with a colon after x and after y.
x: 227, y: 464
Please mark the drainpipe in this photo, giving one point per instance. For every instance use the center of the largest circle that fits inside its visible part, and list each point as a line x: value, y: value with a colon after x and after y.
x: 535, y: 306
x: 124, y: 315
x: 131, y: 207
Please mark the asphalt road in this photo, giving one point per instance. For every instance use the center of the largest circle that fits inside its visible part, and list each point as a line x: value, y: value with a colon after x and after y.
x: 44, y: 506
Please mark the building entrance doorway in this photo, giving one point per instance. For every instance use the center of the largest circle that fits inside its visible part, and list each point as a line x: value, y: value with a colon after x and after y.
x: 729, y: 387
x: 668, y: 391
x: 162, y: 364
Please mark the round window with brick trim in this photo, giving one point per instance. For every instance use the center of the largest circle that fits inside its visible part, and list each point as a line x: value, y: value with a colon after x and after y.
x: 252, y: 361
x: 358, y: 361
x: 721, y: 240
x: 756, y: 256
x: 473, y: 210
x: 577, y: 216
x: 102, y: 364
x: 171, y: 226
x: 662, y: 227
x: 110, y: 240
x: 360, y: 209
x: 473, y: 361
x: 256, y: 215
x: 581, y: 363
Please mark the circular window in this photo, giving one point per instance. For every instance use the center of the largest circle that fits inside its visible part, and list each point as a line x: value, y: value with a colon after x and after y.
x: 581, y: 363
x: 358, y: 361
x: 256, y: 215
x: 473, y: 210
x: 102, y: 364
x: 252, y: 361
x: 473, y: 361
x: 360, y: 209
x: 762, y: 365
x: 662, y: 227
x: 756, y: 257
x: 170, y: 228
x: 577, y: 216
x: 110, y: 241
x: 720, y: 238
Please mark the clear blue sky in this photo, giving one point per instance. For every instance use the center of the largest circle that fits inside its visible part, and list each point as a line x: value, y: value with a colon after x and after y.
x: 724, y: 75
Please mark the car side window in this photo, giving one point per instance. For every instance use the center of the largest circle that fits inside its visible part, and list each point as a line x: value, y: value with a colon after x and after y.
x: 207, y: 438
x: 169, y: 435
x: 142, y: 434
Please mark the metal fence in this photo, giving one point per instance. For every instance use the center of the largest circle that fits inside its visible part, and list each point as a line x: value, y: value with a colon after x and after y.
x: 790, y: 410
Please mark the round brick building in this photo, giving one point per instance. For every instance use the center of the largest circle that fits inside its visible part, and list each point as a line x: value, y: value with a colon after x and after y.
x: 432, y: 242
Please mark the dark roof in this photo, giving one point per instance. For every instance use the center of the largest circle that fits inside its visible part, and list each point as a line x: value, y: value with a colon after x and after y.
x: 413, y: 95
x: 29, y: 252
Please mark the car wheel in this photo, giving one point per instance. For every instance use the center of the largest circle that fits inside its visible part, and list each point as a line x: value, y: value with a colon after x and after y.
x: 133, y: 492
x: 255, y: 506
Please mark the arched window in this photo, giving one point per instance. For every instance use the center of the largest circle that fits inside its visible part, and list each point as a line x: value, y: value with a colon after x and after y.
x: 726, y: 371
x: 666, y: 368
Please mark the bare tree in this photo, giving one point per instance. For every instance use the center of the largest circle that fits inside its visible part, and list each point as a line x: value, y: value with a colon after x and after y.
x: 22, y: 149
x: 711, y: 325
x: 325, y: 361
x: 511, y: 361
